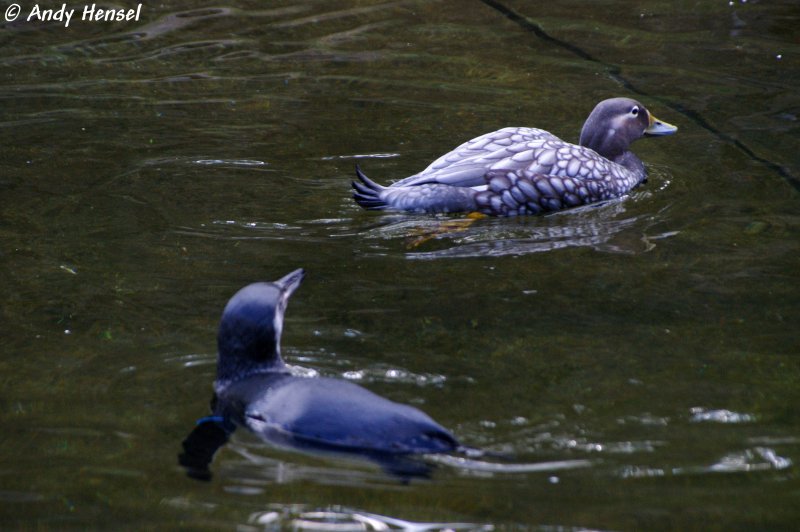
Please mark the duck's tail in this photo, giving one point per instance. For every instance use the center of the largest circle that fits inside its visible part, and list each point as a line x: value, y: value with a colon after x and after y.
x: 367, y: 192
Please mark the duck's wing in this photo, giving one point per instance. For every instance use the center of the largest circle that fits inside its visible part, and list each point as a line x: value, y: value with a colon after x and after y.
x: 554, y: 179
x: 468, y: 185
x: 466, y: 165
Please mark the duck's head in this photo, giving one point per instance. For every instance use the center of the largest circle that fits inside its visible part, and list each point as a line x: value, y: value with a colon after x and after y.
x: 616, y: 122
x: 250, y: 329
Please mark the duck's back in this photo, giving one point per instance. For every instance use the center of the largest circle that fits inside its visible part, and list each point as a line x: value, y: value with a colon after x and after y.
x: 334, y: 414
x: 511, y: 149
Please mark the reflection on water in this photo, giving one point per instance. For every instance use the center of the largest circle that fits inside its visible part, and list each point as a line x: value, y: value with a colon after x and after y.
x: 606, y: 228
x: 258, y: 466
x: 602, y: 227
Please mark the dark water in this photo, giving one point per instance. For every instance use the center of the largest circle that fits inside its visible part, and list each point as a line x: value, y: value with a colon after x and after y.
x: 149, y: 169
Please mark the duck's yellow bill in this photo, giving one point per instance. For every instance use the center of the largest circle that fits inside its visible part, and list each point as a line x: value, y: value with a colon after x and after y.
x: 659, y: 127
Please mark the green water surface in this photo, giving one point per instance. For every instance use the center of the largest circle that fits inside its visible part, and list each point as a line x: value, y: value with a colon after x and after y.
x: 151, y: 168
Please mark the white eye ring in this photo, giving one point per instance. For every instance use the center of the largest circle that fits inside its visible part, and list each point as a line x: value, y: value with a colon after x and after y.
x: 635, y: 111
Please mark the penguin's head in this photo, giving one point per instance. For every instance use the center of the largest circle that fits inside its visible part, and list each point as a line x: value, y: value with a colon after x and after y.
x: 250, y: 329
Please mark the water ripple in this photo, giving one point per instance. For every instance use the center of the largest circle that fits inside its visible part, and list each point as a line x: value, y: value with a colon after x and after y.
x: 333, y: 15
x: 102, y: 48
x: 168, y: 23
x: 230, y: 162
x: 361, y: 156
x: 15, y: 497
x: 465, y: 464
x: 700, y: 414
x: 192, y: 359
x: 192, y: 47
x: 391, y: 374
x: 205, y: 161
x: 756, y: 459
x: 299, y: 517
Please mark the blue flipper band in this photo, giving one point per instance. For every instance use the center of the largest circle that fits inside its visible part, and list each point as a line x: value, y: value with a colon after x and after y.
x: 210, y: 419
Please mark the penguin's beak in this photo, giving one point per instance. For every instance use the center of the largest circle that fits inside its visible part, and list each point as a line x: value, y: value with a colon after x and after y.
x: 289, y: 282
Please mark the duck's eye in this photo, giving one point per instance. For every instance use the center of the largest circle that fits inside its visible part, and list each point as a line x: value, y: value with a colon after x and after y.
x: 634, y: 111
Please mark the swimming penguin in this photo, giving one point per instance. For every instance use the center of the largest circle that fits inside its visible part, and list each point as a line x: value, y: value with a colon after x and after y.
x: 523, y: 170
x: 254, y: 388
